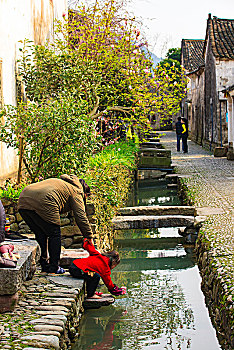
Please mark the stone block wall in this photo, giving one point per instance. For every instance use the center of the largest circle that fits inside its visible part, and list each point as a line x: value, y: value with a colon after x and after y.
x: 215, y: 286
x: 71, y: 235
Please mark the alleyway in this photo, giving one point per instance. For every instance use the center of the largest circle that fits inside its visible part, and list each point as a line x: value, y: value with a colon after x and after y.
x: 211, y: 181
x: 210, y: 185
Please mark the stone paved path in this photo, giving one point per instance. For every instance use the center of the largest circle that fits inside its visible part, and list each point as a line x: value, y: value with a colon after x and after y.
x: 209, y: 183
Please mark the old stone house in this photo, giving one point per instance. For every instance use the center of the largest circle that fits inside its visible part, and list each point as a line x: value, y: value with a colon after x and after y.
x: 193, y: 105
x: 31, y: 19
x: 214, y: 72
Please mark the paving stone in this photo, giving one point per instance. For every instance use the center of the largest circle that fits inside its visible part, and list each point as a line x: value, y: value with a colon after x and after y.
x: 56, y: 317
x: 46, y: 321
x: 49, y: 327
x: 35, y: 348
x: 47, y: 332
x: 42, y: 340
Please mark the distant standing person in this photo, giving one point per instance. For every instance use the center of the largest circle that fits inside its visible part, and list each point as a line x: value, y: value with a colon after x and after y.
x: 185, y: 135
x: 179, y: 130
x: 40, y: 205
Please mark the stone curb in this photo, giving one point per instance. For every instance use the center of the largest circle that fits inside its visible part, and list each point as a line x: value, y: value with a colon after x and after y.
x: 47, y: 315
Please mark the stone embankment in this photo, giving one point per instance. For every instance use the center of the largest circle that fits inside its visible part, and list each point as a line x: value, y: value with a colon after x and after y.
x: 71, y: 235
x: 47, y: 314
x: 42, y: 312
x: 208, y: 183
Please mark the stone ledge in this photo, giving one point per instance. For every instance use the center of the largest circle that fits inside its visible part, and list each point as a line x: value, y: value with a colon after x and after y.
x: 68, y: 255
x: 105, y: 300
x: 158, y: 210
x: 129, y: 222
x: 12, y: 279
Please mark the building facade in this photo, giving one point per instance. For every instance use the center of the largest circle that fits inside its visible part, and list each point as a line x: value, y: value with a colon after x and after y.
x: 31, y: 19
x: 207, y: 104
x: 193, y: 105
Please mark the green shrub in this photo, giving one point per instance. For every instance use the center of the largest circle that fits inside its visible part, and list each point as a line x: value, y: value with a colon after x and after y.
x: 109, y: 175
x: 11, y: 191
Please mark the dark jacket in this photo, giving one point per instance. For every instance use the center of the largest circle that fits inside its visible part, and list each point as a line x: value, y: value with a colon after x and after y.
x: 52, y: 197
x: 179, y: 128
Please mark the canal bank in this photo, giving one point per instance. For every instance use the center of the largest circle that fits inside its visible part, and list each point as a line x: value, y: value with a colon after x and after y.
x: 208, y: 183
x: 157, y: 273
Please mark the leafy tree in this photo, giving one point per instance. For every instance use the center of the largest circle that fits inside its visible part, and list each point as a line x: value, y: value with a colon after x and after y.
x: 97, y: 57
x: 95, y: 69
x: 57, y: 136
x: 173, y: 57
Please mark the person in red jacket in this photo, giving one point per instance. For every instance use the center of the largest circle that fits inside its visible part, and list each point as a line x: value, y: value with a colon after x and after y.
x: 95, y: 266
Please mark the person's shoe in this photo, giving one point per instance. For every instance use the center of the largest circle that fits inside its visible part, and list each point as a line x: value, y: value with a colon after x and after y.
x: 98, y: 293
x: 60, y: 271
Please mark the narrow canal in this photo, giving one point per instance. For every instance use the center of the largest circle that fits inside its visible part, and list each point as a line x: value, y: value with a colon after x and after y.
x: 164, y: 307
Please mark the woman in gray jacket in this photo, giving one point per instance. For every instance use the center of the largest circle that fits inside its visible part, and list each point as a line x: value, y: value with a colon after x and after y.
x: 40, y: 205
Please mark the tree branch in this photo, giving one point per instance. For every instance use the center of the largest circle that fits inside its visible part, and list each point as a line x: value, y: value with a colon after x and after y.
x: 115, y: 108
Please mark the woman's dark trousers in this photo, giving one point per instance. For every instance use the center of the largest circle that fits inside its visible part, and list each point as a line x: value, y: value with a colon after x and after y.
x: 178, y: 142
x: 47, y: 235
x: 185, y: 143
x: 91, y: 282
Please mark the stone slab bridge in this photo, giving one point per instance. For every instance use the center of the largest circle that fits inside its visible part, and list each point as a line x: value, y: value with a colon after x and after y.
x: 154, y: 217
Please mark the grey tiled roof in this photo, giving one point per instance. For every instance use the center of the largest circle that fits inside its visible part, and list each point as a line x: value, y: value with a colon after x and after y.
x: 192, y: 54
x: 221, y: 33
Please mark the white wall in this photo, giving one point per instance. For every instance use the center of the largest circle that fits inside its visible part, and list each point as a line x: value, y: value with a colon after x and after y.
x: 224, y: 74
x: 231, y: 117
x: 20, y: 19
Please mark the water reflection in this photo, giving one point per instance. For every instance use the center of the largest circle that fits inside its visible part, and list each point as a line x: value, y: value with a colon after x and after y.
x: 162, y: 310
x: 164, y: 307
x: 151, y: 192
x: 96, y: 330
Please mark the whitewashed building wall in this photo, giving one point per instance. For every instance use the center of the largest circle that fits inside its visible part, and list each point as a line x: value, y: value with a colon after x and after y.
x: 20, y: 19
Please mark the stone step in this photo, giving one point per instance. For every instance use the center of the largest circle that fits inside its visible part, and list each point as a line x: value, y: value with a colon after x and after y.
x: 150, y: 174
x: 172, y: 186
x: 128, y: 222
x: 158, y: 210
x: 105, y: 300
x: 144, y: 145
x: 68, y: 255
x: 173, y: 178
x: 154, y: 152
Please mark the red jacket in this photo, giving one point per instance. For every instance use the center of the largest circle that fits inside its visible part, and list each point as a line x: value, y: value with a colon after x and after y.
x: 96, y: 262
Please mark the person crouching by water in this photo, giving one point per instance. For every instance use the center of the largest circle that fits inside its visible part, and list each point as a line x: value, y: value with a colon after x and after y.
x: 95, y: 266
x: 40, y: 205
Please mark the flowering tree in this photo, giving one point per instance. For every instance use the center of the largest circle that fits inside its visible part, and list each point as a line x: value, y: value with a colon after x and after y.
x: 96, y: 71
x: 98, y: 57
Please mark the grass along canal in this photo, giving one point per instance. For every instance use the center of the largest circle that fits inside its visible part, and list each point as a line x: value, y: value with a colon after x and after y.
x: 164, y: 307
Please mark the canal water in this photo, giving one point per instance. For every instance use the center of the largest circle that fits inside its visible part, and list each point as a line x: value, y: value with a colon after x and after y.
x: 164, y: 307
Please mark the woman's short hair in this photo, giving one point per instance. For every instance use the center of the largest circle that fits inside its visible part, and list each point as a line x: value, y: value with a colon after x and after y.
x: 113, y: 255
x: 86, y: 187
